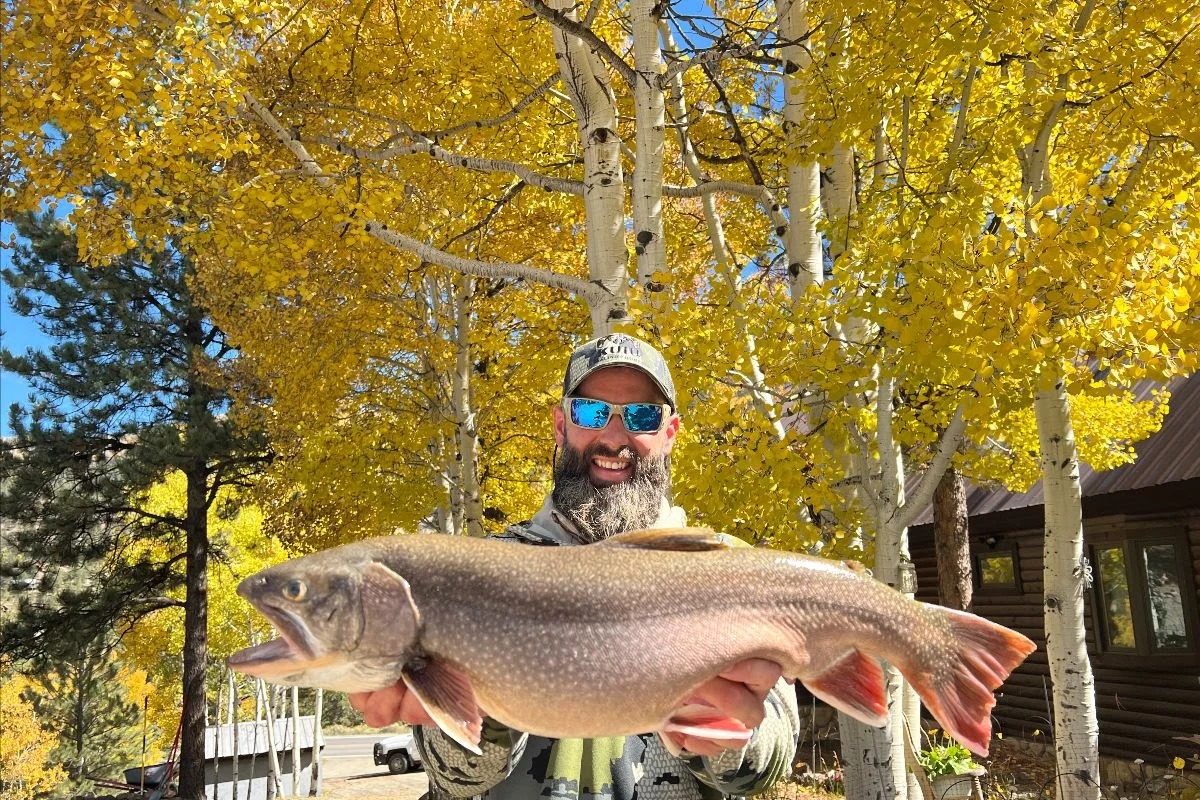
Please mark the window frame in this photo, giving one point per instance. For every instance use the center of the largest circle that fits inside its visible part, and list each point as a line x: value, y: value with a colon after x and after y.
x: 1001, y: 548
x: 1133, y: 541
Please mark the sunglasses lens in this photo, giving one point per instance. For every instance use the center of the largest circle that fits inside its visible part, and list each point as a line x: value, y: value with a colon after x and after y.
x: 643, y: 417
x: 591, y: 414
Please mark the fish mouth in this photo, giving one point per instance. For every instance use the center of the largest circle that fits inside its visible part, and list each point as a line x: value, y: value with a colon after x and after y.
x: 293, y: 651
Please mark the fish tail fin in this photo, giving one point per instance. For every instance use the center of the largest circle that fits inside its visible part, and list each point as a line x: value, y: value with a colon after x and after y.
x: 959, y: 696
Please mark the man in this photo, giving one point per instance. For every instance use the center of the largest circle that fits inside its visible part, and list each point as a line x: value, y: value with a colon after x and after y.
x: 615, y: 429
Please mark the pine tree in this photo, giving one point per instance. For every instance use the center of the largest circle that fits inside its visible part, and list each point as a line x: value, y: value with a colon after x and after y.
x: 84, y: 701
x: 130, y: 390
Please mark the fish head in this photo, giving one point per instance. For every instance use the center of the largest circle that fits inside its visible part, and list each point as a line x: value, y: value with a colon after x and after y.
x: 346, y: 625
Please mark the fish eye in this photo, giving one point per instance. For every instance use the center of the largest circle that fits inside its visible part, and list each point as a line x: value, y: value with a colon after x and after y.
x: 295, y: 590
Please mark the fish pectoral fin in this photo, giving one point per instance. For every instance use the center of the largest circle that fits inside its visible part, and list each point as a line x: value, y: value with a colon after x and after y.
x: 855, y: 685
x: 681, y: 539
x: 706, y: 722
x: 702, y: 722
x: 447, y: 696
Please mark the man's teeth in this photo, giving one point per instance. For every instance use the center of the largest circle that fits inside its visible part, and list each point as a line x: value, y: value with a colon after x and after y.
x: 605, y: 463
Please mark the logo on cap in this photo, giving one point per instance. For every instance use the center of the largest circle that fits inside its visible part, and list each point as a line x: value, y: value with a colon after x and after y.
x: 617, y: 345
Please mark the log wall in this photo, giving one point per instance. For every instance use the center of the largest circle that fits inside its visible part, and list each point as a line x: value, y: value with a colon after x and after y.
x: 1142, y: 705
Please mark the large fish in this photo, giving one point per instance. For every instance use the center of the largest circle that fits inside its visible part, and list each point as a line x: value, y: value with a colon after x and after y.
x: 610, y: 639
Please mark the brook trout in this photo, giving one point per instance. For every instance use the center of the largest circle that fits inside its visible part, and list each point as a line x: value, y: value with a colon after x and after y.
x: 610, y: 639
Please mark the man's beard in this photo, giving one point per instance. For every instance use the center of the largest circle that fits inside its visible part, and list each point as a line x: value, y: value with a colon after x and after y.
x: 602, y: 511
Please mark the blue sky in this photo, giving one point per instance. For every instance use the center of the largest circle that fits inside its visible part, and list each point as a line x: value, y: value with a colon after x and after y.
x: 17, y: 333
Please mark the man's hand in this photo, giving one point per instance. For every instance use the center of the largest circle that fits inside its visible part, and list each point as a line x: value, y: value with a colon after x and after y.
x: 393, y: 704
x: 738, y: 693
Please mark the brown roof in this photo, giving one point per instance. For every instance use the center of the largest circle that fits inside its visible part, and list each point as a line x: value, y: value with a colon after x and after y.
x: 1172, y: 454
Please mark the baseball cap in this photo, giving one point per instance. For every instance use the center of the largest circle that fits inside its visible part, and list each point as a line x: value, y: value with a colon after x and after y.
x: 618, y: 350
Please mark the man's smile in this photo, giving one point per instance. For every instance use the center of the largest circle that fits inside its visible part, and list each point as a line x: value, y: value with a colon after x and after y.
x: 611, y: 470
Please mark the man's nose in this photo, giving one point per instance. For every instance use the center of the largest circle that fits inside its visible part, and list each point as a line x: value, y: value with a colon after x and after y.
x: 614, y: 431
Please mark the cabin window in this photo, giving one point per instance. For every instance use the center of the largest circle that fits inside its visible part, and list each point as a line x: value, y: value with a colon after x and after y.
x: 996, y: 569
x: 1144, y: 597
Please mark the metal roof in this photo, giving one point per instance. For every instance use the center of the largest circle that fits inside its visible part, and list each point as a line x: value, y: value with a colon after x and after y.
x: 1172, y: 454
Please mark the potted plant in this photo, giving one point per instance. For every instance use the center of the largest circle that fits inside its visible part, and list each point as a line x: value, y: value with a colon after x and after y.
x: 952, y: 771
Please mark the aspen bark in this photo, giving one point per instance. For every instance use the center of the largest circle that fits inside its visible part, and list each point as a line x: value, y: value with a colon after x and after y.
x: 802, y: 240
x: 233, y: 722
x: 650, y: 109
x: 295, y: 741
x: 466, y: 450
x: 1076, y: 729
x: 879, y: 768
x: 314, y: 783
x: 590, y: 89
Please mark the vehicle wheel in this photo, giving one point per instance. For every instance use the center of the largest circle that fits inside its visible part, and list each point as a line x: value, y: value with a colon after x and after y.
x: 397, y: 763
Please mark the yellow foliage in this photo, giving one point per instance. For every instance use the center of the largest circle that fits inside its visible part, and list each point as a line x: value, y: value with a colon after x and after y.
x: 968, y: 273
x: 151, y: 649
x: 26, y: 771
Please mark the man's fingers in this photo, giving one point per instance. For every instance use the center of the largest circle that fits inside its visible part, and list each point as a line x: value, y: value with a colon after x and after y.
x: 380, y: 708
x: 701, y: 746
x: 732, y: 699
x: 758, y: 674
x: 413, y: 712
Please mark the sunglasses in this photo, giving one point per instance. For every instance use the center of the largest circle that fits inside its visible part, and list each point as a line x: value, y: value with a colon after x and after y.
x: 637, y: 417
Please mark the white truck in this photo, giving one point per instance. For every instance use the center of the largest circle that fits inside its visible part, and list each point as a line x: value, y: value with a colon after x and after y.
x: 398, y: 752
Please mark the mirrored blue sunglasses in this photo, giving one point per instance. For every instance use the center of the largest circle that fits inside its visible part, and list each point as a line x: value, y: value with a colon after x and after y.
x: 637, y: 417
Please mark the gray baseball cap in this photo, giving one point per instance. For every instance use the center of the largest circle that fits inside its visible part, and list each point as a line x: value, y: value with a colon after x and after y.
x: 618, y: 350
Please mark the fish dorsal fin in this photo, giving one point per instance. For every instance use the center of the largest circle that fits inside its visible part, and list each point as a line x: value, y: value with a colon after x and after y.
x: 446, y: 693
x: 680, y: 539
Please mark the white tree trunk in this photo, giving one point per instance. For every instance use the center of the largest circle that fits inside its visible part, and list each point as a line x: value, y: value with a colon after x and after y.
x: 755, y: 380
x: 802, y: 239
x: 467, y: 437
x: 314, y: 782
x: 590, y: 89
x: 1076, y: 729
x: 649, y: 105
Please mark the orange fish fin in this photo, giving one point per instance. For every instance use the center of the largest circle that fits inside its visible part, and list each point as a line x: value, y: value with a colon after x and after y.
x: 446, y: 693
x: 706, y: 722
x: 854, y: 685
x: 702, y: 722
x: 962, y: 701
x: 681, y: 539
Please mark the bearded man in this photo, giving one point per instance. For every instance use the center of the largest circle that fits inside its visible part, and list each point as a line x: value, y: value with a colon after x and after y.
x: 613, y: 431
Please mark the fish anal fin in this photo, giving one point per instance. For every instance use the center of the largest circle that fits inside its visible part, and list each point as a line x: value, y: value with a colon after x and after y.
x: 445, y: 692
x: 855, y: 685
x: 678, y: 539
x: 962, y: 699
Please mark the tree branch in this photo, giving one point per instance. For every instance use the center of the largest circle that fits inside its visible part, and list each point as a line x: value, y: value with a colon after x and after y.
x: 591, y: 292
x: 455, y: 159
x: 923, y: 495
x: 581, y: 31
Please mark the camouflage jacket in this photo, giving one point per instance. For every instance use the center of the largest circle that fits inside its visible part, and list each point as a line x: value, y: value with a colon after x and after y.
x: 518, y: 766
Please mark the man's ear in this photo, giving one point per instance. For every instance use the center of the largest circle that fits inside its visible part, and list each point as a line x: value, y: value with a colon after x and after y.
x: 560, y: 426
x: 670, y: 431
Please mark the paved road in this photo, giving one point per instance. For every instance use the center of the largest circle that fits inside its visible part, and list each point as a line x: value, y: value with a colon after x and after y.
x: 344, y: 746
x: 350, y: 774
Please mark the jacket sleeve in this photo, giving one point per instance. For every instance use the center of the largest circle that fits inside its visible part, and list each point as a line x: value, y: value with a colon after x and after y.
x: 766, y: 758
x: 454, y: 771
